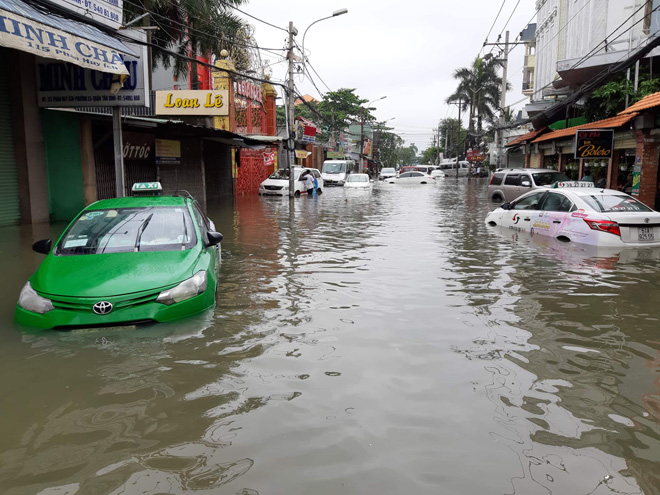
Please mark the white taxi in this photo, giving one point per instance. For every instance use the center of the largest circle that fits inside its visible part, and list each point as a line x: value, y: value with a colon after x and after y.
x: 579, y: 212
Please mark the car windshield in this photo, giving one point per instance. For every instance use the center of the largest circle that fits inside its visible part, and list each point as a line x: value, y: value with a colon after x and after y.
x: 547, y: 178
x: 387, y: 171
x: 334, y: 168
x: 358, y: 178
x: 124, y: 230
x: 614, y: 203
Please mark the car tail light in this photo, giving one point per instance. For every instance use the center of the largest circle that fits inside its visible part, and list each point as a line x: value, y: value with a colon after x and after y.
x: 604, y: 226
x: 491, y: 179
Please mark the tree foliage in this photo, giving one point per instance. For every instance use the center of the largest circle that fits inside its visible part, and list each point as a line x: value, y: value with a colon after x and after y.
x: 191, y: 27
x: 479, y: 90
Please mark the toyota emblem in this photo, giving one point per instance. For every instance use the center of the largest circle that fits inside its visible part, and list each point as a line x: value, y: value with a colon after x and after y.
x: 646, y: 220
x: 102, y: 307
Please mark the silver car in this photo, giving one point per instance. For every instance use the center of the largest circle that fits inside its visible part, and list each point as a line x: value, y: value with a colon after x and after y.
x: 507, y: 184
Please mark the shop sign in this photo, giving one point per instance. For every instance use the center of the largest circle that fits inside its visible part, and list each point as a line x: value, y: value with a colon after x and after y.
x: 168, y: 152
x: 108, y: 12
x: 302, y: 154
x: 27, y: 35
x: 368, y: 147
x: 61, y: 84
x: 269, y: 159
x: 249, y: 90
x: 335, y: 154
x: 474, y: 156
x: 137, y: 147
x: 192, y: 102
x: 305, y: 133
x: 594, y: 143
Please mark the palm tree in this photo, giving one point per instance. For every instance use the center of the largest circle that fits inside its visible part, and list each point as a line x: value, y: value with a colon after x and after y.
x: 479, y: 91
x: 189, y: 28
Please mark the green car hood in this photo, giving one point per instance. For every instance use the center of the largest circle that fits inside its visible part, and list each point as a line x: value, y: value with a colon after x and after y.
x: 113, y: 274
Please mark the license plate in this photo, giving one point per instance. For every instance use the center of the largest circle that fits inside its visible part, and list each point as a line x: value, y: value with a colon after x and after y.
x: 645, y: 234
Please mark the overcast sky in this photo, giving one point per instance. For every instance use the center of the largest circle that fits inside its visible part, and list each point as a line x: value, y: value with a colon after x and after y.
x: 406, y: 51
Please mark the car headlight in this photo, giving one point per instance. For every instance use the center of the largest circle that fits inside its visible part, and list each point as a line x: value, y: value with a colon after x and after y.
x: 31, y: 301
x: 191, y: 287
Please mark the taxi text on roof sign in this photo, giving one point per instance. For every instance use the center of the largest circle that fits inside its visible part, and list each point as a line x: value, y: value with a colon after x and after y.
x: 147, y: 186
x: 573, y: 183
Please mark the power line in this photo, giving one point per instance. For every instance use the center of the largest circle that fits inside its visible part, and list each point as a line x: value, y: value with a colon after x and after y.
x: 493, y: 25
x: 254, y: 17
x: 200, y: 32
x: 509, y: 19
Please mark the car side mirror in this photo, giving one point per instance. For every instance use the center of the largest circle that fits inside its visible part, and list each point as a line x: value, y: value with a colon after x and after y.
x: 506, y: 206
x: 526, y: 183
x: 43, y: 246
x: 214, y: 238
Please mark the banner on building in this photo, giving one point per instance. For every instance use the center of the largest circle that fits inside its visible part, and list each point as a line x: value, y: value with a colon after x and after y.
x: 335, y: 154
x: 168, y: 152
x: 302, y: 154
x: 269, y: 159
x: 193, y: 102
x: 305, y: 133
x: 61, y: 84
x: 594, y: 143
x: 27, y: 35
x: 368, y: 147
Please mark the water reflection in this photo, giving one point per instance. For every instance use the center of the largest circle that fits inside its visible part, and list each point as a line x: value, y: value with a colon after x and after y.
x: 377, y: 341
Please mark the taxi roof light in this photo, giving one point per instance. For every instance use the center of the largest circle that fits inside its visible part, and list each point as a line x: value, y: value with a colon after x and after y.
x: 147, y: 188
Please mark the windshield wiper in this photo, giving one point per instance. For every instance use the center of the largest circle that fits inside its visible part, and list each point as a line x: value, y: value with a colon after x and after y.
x: 141, y: 229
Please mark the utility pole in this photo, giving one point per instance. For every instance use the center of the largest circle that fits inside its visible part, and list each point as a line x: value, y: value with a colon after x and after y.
x: 290, y: 141
x: 361, y: 141
x: 500, y: 132
x: 458, y: 139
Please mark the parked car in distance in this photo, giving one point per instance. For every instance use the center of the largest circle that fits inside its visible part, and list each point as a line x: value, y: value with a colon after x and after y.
x: 411, y: 178
x: 335, y: 172
x: 418, y: 168
x: 449, y: 168
x: 124, y: 261
x: 278, y: 182
x: 357, y: 181
x: 387, y: 173
x: 508, y: 184
x: 579, y: 212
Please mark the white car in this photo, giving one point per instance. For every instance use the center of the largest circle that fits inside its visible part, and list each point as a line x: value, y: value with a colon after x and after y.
x: 411, y: 178
x: 278, y: 182
x: 357, y: 181
x: 387, y: 173
x: 579, y: 212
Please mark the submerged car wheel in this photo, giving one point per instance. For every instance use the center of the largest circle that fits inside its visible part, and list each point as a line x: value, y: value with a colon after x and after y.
x: 297, y: 194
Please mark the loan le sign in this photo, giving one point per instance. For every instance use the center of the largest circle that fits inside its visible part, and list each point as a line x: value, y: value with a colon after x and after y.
x: 193, y: 102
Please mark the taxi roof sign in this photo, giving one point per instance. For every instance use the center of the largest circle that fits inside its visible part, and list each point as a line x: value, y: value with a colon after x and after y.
x: 147, y: 187
x: 572, y: 183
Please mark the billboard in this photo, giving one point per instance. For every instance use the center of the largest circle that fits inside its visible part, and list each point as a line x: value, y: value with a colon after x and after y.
x: 62, y: 84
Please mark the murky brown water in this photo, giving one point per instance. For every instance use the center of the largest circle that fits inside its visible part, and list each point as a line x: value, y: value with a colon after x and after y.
x: 367, y: 343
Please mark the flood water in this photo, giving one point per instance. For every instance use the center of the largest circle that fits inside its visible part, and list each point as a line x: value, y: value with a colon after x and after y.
x: 379, y: 342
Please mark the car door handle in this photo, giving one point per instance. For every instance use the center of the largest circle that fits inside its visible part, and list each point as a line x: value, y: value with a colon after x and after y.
x: 556, y: 221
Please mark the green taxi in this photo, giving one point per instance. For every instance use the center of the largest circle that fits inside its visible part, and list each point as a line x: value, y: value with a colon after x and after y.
x: 125, y: 261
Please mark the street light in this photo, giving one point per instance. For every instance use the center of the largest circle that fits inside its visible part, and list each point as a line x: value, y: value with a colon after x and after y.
x: 291, y: 141
x: 364, y: 109
x: 334, y: 14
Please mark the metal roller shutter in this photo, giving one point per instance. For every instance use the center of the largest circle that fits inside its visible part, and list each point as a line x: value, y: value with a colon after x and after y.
x: 9, y: 211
